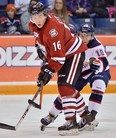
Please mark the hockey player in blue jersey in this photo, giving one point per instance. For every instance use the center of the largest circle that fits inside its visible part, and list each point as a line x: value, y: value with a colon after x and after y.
x: 95, y: 72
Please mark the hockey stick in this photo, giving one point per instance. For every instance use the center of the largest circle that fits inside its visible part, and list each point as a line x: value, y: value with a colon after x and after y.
x: 10, y: 127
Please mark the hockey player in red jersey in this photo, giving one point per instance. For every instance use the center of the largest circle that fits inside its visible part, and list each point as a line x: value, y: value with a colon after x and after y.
x: 96, y: 72
x: 64, y: 53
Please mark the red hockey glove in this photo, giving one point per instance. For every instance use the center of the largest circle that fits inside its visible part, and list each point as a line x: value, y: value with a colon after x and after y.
x: 45, y: 75
x: 94, y: 64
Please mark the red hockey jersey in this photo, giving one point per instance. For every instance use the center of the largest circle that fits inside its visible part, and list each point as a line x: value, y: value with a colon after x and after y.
x: 56, y: 41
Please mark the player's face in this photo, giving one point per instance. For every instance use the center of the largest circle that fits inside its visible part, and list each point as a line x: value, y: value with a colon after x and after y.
x: 86, y: 37
x: 39, y: 19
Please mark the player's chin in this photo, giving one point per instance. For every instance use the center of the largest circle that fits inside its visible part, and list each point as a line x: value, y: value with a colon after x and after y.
x: 40, y: 25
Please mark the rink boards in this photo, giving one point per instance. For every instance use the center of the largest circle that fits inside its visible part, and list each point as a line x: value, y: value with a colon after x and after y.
x: 25, y: 88
x: 19, y: 65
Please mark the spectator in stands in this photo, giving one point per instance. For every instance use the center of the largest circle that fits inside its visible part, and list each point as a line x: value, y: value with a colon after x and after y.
x: 10, y: 24
x: 111, y: 8
x: 99, y: 8
x: 3, y: 4
x: 60, y: 10
x: 79, y: 8
x: 25, y: 18
x: 21, y: 6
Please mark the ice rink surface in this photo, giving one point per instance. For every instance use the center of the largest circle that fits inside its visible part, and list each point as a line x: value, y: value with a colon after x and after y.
x: 12, y: 108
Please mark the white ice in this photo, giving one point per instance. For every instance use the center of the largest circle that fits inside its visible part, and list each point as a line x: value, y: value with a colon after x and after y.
x: 12, y: 107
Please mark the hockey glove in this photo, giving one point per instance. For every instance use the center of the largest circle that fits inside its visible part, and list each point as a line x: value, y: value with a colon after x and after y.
x: 45, y: 75
x: 94, y: 64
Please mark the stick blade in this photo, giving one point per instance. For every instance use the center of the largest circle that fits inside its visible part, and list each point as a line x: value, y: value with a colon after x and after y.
x: 6, y: 126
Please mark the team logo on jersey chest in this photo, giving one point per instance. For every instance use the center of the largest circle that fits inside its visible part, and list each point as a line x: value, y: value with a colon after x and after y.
x: 53, y: 32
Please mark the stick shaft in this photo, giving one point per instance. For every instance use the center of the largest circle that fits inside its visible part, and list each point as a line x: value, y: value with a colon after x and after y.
x: 41, y: 98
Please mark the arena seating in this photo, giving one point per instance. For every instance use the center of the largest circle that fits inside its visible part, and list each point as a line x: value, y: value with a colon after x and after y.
x: 102, y: 25
x: 105, y: 25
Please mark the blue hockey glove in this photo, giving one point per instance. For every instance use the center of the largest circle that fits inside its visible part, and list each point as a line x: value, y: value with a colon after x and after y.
x: 45, y: 75
x: 94, y: 64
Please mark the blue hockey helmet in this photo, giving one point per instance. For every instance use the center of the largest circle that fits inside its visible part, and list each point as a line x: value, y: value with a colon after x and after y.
x: 87, y: 28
